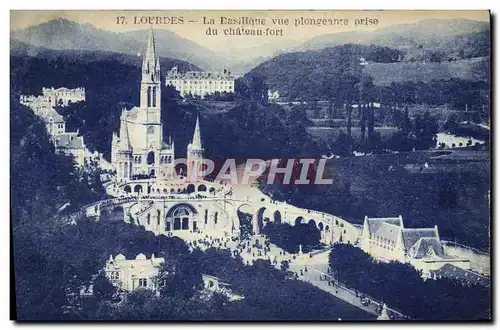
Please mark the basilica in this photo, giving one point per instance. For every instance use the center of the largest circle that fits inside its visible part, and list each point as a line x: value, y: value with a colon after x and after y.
x: 138, y: 150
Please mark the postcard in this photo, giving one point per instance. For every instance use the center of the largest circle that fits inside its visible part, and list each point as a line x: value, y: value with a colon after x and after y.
x: 250, y: 165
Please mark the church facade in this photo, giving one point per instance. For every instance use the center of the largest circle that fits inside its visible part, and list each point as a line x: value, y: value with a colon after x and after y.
x: 138, y: 150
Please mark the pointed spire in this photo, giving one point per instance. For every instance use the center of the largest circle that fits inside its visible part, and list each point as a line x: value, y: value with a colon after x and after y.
x: 196, y: 142
x: 151, y: 50
x: 151, y: 60
x: 124, y: 135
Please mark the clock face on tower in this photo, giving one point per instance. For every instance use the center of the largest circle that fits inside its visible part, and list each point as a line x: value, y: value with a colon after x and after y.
x: 151, y: 130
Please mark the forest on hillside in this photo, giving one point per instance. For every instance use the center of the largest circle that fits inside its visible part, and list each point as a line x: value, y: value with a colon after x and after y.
x: 337, y: 74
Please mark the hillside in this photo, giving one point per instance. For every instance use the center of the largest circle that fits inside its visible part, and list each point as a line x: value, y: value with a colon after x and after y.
x: 476, y: 69
x: 428, y: 33
x: 83, y: 67
x: 336, y: 74
x: 301, y: 74
x: 63, y: 34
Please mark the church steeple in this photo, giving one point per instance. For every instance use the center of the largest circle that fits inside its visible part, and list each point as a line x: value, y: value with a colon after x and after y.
x: 151, y: 60
x: 196, y: 142
x: 150, y: 83
x: 195, y: 153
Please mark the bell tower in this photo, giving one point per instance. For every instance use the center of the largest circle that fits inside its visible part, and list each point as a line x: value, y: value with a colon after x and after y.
x: 150, y: 83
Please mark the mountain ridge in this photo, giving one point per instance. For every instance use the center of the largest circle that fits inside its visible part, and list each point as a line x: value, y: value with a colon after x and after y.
x: 64, y: 34
x: 428, y: 32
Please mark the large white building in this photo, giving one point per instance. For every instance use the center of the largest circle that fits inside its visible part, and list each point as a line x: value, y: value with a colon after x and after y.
x: 63, y: 96
x: 387, y: 239
x: 199, y: 83
x: 138, y: 151
x: 133, y: 273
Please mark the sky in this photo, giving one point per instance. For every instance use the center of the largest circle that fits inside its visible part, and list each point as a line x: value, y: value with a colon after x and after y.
x: 193, y: 28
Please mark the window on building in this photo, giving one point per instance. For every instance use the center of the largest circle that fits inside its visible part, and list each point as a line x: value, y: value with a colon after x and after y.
x: 114, y: 276
x: 143, y: 282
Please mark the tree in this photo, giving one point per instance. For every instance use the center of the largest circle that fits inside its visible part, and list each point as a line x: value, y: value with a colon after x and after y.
x: 426, y: 128
x: 451, y: 124
x: 343, y: 144
x: 103, y: 289
x: 362, y: 124
x: 179, y: 277
x: 258, y: 88
x: 290, y: 237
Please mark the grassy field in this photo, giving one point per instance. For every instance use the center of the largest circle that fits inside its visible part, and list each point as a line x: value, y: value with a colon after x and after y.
x: 476, y: 69
x: 213, y: 107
